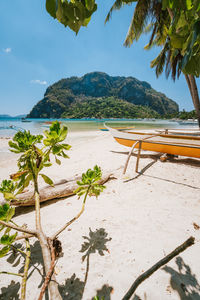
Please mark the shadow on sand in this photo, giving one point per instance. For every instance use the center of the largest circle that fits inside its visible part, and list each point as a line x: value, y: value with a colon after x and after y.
x: 73, y: 288
x: 14, y: 257
x: 155, y: 157
x: 183, y: 281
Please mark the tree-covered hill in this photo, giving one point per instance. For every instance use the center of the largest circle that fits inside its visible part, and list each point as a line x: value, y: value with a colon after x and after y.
x: 100, y: 95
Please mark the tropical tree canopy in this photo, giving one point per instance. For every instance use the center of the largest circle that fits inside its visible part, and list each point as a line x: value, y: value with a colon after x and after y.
x: 174, y: 25
x: 74, y: 13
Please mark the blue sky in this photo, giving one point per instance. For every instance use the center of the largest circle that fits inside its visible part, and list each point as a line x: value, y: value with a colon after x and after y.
x: 36, y: 51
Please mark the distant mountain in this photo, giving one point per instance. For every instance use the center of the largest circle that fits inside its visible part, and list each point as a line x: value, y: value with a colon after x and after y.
x: 100, y: 95
x: 4, y: 116
x: 20, y: 116
x: 10, y: 117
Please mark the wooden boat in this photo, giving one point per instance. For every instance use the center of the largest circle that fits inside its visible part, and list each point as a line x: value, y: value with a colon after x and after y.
x: 50, y: 122
x: 171, y: 144
x: 163, y: 143
x: 118, y: 128
x: 180, y: 131
x: 25, y: 120
x: 188, y: 122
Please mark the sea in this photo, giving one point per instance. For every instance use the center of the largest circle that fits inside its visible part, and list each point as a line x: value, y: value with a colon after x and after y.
x: 9, y: 126
x: 79, y: 130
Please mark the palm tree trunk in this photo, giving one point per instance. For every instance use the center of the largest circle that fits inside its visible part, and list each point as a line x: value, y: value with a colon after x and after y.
x: 194, y: 94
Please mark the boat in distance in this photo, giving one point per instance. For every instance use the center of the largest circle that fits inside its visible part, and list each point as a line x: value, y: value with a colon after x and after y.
x: 163, y: 143
x: 118, y: 128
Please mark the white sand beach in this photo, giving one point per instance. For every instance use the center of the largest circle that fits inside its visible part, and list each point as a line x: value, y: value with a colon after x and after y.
x: 135, y: 222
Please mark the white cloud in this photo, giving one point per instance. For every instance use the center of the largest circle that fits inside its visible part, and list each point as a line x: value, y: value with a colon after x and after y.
x: 7, y: 50
x: 38, y: 81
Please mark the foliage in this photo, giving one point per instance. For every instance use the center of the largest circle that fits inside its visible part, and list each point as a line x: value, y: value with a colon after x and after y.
x: 74, y: 13
x: 172, y: 24
x: 36, y: 152
x: 98, y: 95
x: 185, y: 115
x: 89, y: 183
x: 6, y: 239
x: 35, y: 158
x: 30, y: 163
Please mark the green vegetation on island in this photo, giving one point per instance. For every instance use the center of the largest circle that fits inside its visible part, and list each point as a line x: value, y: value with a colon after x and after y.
x: 98, y: 95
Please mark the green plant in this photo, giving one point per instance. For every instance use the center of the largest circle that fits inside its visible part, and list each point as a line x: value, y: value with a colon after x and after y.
x: 36, y: 154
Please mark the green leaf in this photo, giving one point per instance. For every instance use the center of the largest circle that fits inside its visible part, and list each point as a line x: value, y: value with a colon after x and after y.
x: 90, y: 4
x: 27, y: 180
x: 51, y: 7
x: 4, y: 209
x: 10, y: 214
x: 4, y: 251
x: 8, y: 239
x: 63, y: 133
x: 58, y: 161
x: 47, y: 179
x: 189, y: 4
x: 66, y: 146
x: 8, y: 196
x: 64, y: 154
x: 7, y: 230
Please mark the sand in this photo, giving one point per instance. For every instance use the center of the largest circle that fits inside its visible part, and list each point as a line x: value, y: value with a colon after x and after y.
x: 135, y: 222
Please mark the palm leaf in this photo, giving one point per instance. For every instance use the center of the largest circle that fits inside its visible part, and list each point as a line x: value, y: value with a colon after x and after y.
x: 138, y: 22
x: 116, y: 6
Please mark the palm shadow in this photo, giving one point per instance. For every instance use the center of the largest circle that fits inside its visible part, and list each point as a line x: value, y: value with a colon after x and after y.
x: 11, y: 292
x: 73, y: 288
x: 15, y: 258
x: 183, y: 281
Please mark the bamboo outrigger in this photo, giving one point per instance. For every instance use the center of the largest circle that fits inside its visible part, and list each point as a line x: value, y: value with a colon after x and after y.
x: 118, y: 128
x: 163, y: 143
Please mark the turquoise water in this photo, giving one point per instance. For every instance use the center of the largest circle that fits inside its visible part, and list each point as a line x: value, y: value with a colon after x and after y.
x: 9, y: 126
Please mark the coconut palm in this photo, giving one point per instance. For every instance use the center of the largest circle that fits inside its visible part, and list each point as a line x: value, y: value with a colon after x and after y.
x: 175, y: 30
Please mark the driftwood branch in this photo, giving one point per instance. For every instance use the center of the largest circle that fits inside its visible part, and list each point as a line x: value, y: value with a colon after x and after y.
x: 189, y: 242
x: 64, y: 188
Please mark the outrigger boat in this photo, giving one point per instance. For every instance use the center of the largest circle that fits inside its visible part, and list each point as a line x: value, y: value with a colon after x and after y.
x: 118, y: 128
x: 180, y: 131
x: 163, y: 143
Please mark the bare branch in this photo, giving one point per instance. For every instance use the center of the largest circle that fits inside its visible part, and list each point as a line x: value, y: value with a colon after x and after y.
x: 48, y: 276
x: 189, y: 242
x: 72, y: 220
x: 32, y: 232
x: 24, y: 236
x: 9, y: 273
x: 26, y: 266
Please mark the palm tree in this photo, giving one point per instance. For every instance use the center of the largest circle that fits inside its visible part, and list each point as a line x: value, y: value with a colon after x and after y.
x: 149, y: 15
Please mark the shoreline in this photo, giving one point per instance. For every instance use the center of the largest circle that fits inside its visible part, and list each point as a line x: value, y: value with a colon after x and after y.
x: 140, y: 218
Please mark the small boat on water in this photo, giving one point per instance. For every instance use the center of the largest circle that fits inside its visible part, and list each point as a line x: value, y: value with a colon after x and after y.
x: 50, y: 122
x: 25, y: 120
x: 163, y: 143
x: 188, y: 122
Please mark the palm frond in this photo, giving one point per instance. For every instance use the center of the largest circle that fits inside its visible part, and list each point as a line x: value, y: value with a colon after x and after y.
x: 138, y: 22
x: 155, y: 28
x: 116, y: 6
x: 168, y: 64
x: 160, y: 60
